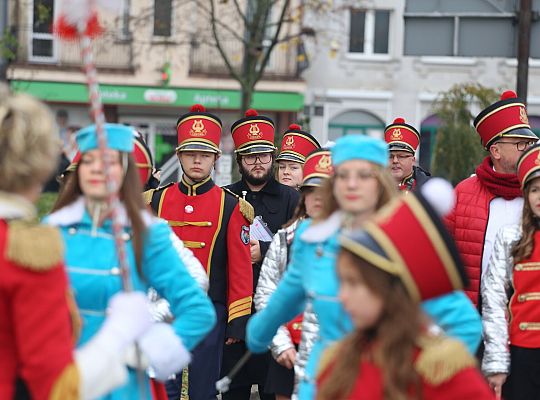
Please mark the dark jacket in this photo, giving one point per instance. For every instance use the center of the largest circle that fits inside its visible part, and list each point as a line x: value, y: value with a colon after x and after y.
x: 275, y: 203
x: 415, y: 180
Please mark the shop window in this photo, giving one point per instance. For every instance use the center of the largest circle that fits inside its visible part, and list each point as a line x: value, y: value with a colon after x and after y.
x: 369, y: 31
x: 163, y: 18
x: 42, y: 46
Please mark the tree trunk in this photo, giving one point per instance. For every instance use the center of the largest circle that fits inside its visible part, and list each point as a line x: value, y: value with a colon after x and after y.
x: 247, y: 95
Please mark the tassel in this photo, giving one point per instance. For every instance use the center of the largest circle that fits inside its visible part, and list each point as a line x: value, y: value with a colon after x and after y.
x: 68, y: 31
x: 247, y: 210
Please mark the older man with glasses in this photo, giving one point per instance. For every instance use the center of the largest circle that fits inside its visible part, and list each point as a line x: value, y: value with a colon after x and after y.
x: 491, y: 198
x: 403, y: 140
x: 274, y: 203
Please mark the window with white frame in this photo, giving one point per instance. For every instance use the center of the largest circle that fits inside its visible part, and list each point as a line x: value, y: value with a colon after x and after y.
x: 42, y: 46
x: 369, y: 31
x: 465, y: 28
x: 163, y: 18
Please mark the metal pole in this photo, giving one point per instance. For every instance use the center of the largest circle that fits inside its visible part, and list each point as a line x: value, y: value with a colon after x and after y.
x: 524, y: 44
x: 3, y: 31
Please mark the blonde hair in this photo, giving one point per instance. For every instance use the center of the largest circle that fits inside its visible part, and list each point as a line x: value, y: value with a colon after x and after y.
x: 29, y: 147
x: 387, y: 191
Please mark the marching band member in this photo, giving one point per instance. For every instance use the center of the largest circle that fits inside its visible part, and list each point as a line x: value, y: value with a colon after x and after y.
x: 82, y: 214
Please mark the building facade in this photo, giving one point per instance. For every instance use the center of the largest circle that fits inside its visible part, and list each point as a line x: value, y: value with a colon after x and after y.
x: 153, y: 62
x: 375, y: 60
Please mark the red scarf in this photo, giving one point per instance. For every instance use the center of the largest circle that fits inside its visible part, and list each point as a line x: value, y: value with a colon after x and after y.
x: 501, y: 185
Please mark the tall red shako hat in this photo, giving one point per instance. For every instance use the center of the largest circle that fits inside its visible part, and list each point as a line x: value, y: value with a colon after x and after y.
x: 528, y: 166
x: 253, y: 134
x: 198, y: 130
x: 391, y: 240
x: 143, y: 158
x: 318, y: 167
x: 401, y: 136
x: 506, y: 117
x: 296, y: 145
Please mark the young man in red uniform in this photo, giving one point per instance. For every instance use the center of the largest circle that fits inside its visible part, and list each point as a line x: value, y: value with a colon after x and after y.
x: 214, y: 224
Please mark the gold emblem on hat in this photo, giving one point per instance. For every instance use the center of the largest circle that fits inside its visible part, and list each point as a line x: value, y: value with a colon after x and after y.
x: 289, y: 143
x: 396, y: 134
x: 197, y: 129
x: 254, y: 132
x: 324, y: 164
x: 523, y: 115
x: 537, y: 161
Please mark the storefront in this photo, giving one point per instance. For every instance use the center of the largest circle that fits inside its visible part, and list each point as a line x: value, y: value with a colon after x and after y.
x: 155, y: 110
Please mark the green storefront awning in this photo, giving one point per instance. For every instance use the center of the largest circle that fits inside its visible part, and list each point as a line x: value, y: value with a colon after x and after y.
x: 159, y: 96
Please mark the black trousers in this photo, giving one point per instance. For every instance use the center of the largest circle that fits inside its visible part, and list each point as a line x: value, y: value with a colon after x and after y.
x: 253, y: 372
x: 523, y: 383
x: 205, y: 366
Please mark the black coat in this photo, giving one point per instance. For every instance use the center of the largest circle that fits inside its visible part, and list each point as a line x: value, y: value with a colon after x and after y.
x: 275, y: 203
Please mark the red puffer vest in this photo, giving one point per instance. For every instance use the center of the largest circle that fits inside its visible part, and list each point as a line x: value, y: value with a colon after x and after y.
x: 467, y: 224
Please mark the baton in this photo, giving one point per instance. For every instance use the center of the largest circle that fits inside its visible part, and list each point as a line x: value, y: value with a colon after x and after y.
x: 223, y: 384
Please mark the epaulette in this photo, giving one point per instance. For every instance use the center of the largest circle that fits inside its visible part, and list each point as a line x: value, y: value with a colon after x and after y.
x: 441, y: 358
x: 34, y: 246
x: 148, y: 194
x: 246, y: 209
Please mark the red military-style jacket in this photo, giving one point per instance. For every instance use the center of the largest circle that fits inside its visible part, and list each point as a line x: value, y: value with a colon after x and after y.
x: 36, y: 335
x: 524, y: 307
x: 214, y: 224
x: 445, y: 368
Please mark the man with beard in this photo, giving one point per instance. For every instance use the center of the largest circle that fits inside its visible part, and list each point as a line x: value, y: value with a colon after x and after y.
x: 403, y: 140
x: 214, y: 224
x: 274, y: 203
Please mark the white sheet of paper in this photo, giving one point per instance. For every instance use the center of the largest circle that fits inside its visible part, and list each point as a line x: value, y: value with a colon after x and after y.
x: 259, y: 231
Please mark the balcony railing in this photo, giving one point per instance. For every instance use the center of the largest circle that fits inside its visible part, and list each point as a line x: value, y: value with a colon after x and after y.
x: 206, y: 59
x: 109, y: 52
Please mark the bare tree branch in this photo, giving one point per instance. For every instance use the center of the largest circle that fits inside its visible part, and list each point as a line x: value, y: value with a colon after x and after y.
x: 273, y: 43
x: 240, y: 12
x: 211, y: 13
x: 220, y: 47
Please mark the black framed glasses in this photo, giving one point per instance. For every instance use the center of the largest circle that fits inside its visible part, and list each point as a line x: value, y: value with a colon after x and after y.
x: 251, y: 159
x: 521, y: 145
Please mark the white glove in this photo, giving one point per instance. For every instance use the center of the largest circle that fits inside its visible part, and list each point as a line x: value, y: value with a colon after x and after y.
x: 164, y: 350
x: 128, y: 317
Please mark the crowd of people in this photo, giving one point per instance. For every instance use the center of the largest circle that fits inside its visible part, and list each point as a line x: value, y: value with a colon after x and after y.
x: 346, y: 270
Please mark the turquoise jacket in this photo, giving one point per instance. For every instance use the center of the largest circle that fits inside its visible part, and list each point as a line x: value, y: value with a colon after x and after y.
x: 92, y: 266
x: 311, y: 276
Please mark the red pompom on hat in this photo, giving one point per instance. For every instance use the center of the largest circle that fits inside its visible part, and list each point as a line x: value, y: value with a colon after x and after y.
x: 253, y: 134
x: 197, y: 108
x: 509, y: 94
x: 198, y: 130
x: 506, y: 117
x: 401, y: 136
x: 296, y: 145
